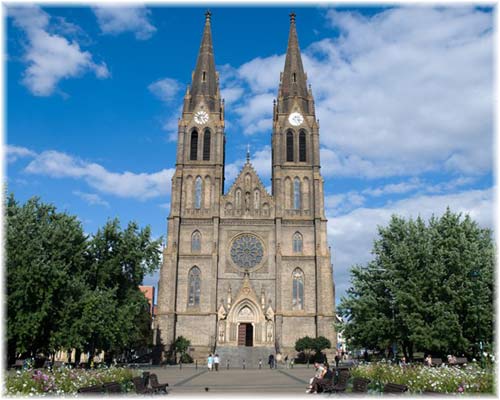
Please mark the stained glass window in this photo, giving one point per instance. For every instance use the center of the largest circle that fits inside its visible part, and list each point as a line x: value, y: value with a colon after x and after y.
x: 196, y: 242
x: 247, y: 251
x: 197, y: 193
x: 296, y: 194
x: 297, y: 242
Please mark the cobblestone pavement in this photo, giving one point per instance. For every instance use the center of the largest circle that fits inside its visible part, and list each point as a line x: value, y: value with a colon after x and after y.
x: 193, y: 381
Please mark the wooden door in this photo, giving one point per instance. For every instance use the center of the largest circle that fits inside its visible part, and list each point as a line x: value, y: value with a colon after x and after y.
x: 242, y: 332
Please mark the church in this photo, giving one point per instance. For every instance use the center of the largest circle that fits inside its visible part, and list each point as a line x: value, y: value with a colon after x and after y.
x: 245, y: 272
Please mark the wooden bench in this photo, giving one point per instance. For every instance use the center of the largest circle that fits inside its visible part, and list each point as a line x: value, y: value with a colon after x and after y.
x: 112, y: 387
x: 341, y: 384
x: 360, y: 385
x: 436, y: 362
x: 459, y: 361
x: 18, y: 364
x: 394, y: 388
x: 91, y: 389
x: 139, y: 386
x: 157, y: 387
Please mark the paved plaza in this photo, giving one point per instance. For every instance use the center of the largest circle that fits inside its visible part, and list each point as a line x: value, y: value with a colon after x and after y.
x: 191, y: 381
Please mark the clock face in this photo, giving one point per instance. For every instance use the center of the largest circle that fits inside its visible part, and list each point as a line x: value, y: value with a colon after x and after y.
x: 295, y: 118
x: 201, y: 117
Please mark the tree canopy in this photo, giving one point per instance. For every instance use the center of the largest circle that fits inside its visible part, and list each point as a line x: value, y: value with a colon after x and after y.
x: 67, y: 290
x: 429, y: 288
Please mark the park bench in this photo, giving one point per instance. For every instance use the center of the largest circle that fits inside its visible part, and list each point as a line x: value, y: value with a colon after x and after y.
x: 18, y: 364
x: 112, y: 387
x: 139, y: 386
x: 360, y: 385
x: 459, y: 361
x: 91, y: 389
x: 341, y: 384
x: 436, y: 362
x: 394, y: 388
x: 157, y: 387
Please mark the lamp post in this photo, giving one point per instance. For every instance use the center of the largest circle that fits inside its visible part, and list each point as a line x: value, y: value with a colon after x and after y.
x: 479, y: 345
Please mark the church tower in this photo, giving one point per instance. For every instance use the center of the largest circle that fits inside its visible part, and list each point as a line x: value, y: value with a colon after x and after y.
x: 297, y: 185
x: 186, y: 301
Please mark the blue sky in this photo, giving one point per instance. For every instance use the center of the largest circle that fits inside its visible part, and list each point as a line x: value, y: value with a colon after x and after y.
x: 404, y: 97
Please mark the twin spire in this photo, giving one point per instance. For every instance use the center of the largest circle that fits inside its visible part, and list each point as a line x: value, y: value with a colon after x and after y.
x: 205, y: 82
x: 293, y: 79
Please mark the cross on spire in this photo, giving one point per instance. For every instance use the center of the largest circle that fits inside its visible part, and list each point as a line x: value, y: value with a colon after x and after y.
x: 248, y: 153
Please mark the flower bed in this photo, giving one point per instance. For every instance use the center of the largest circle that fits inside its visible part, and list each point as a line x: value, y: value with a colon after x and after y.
x: 63, y: 381
x: 419, y: 378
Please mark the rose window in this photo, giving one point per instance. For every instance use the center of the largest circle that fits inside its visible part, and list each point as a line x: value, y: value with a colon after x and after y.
x: 247, y: 251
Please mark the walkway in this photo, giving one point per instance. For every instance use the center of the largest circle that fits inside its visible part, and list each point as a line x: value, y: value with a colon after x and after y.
x: 249, y: 381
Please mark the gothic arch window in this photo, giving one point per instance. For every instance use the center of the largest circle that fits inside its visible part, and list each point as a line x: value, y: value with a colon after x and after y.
x: 302, y: 146
x: 193, y: 155
x: 289, y: 146
x: 194, y: 285
x: 296, y: 194
x: 297, y: 242
x: 298, y: 289
x: 197, y: 193
x: 206, y: 145
x: 196, y: 242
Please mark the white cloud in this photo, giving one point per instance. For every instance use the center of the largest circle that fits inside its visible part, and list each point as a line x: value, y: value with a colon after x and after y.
x: 140, y: 186
x: 50, y: 57
x: 394, y: 188
x: 91, y: 198
x: 16, y: 152
x: 352, y: 234
x: 399, y: 93
x: 165, y: 89
x: 408, y: 86
x: 114, y: 20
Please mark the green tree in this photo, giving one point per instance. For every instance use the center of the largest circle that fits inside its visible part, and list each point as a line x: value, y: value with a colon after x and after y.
x: 118, y: 261
x: 321, y: 343
x: 418, y: 291
x: 67, y: 291
x: 305, y: 345
x: 181, y: 346
x: 44, y: 249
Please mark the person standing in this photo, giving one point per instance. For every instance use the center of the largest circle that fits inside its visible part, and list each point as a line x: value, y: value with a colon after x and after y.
x: 210, y: 362
x: 271, y: 361
x: 216, y: 362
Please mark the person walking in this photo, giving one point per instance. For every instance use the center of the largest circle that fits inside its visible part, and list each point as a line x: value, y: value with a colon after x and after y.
x: 216, y: 362
x: 271, y: 361
x: 210, y: 362
x: 337, y: 360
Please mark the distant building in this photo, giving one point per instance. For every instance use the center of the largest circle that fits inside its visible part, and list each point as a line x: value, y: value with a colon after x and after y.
x: 149, y: 293
x: 341, y: 342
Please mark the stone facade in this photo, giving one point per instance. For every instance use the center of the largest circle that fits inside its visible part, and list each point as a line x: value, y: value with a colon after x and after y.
x: 246, y: 267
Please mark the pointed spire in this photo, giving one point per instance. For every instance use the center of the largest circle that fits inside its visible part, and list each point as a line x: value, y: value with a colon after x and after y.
x: 248, y: 153
x: 204, y: 76
x: 293, y: 79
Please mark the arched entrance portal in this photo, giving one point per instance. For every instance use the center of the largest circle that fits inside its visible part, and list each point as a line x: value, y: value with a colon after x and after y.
x: 245, y: 334
x: 246, y: 320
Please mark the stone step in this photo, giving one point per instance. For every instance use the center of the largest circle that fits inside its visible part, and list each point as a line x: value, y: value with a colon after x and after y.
x: 239, y: 355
